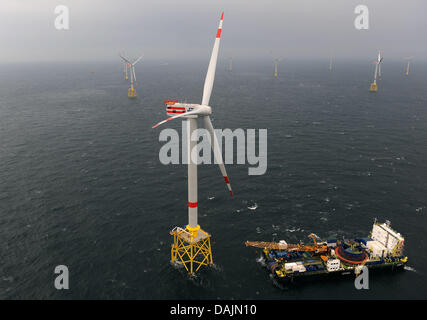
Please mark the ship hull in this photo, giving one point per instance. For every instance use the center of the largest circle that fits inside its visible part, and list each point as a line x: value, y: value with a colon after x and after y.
x: 338, y: 275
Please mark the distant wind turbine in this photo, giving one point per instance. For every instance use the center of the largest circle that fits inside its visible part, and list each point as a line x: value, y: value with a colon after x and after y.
x: 374, y: 86
x: 276, y: 63
x: 407, y: 66
x: 131, y: 92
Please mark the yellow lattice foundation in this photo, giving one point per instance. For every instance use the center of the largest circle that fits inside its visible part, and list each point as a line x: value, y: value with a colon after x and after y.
x: 132, y: 93
x: 374, y: 87
x: 191, y: 247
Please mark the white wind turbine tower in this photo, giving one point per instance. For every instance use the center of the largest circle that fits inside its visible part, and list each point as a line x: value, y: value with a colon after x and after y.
x: 125, y: 70
x: 131, y: 92
x: 192, y: 246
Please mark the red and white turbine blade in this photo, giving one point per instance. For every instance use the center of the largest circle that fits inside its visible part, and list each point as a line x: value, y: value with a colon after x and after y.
x: 217, y: 151
x: 174, y: 117
x: 210, y: 76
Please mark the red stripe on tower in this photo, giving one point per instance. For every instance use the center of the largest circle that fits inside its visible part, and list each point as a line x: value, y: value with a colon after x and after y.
x: 192, y: 204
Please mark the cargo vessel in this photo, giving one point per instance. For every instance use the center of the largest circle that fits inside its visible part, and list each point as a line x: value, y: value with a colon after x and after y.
x: 383, y: 249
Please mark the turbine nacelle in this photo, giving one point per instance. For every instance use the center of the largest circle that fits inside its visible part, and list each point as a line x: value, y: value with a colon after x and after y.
x: 173, y: 107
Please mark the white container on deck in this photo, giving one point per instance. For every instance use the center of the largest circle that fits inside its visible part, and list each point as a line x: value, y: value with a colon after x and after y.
x: 289, y: 266
x: 333, y: 265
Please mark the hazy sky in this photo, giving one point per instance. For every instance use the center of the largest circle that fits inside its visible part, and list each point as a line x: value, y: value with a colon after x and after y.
x: 172, y: 29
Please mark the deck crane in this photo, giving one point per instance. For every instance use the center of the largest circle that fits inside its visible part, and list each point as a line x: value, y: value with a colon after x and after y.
x: 282, y: 245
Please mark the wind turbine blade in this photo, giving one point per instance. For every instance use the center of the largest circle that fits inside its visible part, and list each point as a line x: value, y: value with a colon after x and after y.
x: 136, y: 61
x: 124, y: 59
x: 210, y: 75
x: 174, y: 117
x: 217, y: 151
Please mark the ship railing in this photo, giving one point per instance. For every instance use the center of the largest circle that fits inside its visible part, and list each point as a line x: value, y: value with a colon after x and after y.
x: 179, y: 230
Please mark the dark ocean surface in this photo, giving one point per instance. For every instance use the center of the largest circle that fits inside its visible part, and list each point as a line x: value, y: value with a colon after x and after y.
x: 81, y: 183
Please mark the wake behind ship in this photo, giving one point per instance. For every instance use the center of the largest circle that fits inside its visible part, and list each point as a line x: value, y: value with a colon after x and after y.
x: 383, y: 249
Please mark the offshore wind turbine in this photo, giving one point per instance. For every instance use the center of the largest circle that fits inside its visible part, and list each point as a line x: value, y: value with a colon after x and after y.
x: 192, y: 246
x: 276, y: 60
x: 374, y: 86
x: 408, y: 64
x: 131, y: 92
x: 330, y: 63
x: 230, y: 65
